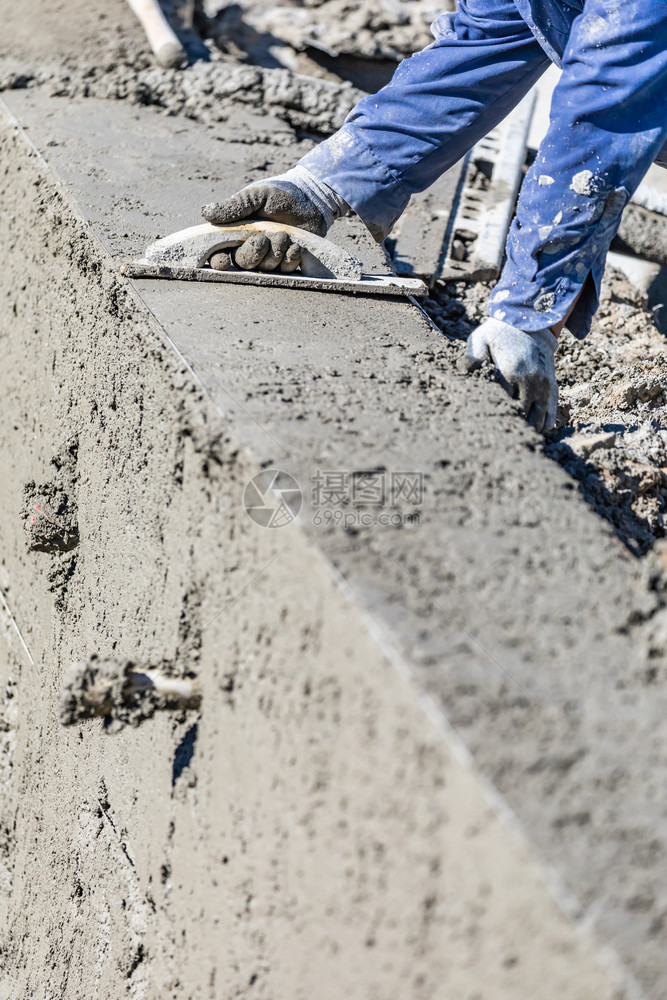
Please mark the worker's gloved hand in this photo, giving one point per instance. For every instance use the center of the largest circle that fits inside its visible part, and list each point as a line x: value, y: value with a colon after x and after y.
x: 260, y: 252
x: 296, y: 198
x: 525, y: 362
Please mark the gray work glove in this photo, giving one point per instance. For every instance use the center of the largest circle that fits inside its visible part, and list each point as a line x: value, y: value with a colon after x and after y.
x: 525, y: 362
x: 296, y: 198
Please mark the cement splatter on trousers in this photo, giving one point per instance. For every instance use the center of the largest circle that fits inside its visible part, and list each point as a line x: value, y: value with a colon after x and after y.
x: 608, y: 124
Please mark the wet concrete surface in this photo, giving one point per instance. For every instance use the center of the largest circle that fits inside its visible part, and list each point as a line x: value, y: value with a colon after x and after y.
x: 516, y: 607
x: 316, y: 827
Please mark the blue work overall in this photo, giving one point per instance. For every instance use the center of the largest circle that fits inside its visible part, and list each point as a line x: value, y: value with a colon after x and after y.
x: 608, y: 124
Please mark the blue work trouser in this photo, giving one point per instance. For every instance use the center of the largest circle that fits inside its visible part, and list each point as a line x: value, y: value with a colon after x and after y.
x: 608, y: 124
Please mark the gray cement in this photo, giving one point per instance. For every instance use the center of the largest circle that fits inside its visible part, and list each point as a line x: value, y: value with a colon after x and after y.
x: 312, y: 831
x: 124, y: 693
x: 206, y: 93
x: 642, y: 232
x: 517, y: 610
x: 79, y: 49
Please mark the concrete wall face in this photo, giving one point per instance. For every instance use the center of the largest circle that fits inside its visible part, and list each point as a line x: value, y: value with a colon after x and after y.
x: 312, y: 832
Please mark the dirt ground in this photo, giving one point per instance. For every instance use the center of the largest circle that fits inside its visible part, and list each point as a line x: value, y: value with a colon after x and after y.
x: 611, y: 439
x: 611, y: 435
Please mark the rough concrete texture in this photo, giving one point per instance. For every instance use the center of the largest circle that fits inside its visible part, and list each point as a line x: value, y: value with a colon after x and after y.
x: 123, y: 693
x: 374, y: 29
x: 49, y: 518
x: 205, y: 94
x: 113, y: 62
x: 310, y: 833
x: 612, y: 386
x: 440, y: 592
x: 644, y: 232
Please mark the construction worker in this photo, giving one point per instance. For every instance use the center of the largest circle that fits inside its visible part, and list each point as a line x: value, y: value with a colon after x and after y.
x: 608, y: 124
